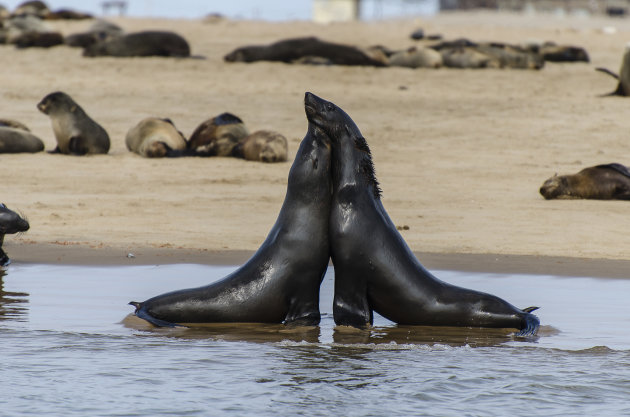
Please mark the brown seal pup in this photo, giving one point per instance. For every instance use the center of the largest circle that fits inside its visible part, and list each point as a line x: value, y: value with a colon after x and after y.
x: 147, y: 43
x: 10, y: 223
x: 155, y: 138
x: 280, y: 283
x: 290, y: 50
x: 76, y: 132
x: 601, y: 182
x: 217, y: 136
x: 14, y: 140
x: 374, y: 268
x: 623, y: 87
x: 262, y: 145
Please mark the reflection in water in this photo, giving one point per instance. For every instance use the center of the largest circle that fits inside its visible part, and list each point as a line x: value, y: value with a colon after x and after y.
x: 12, y: 304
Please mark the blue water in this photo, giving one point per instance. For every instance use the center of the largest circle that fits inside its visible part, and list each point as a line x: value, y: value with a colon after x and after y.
x: 69, y: 347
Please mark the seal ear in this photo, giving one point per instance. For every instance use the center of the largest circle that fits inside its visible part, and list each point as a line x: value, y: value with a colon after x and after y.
x: 73, y: 108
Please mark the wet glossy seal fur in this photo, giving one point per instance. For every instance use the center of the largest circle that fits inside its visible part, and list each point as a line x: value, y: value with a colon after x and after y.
x: 280, y: 283
x: 17, y: 140
x: 75, y: 131
x: 153, y: 137
x: 601, y: 182
x: 263, y: 146
x: 623, y: 86
x: 147, y: 43
x: 10, y: 223
x: 374, y: 268
x: 217, y: 136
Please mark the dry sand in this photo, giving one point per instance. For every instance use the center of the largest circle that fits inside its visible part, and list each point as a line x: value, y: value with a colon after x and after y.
x: 460, y: 154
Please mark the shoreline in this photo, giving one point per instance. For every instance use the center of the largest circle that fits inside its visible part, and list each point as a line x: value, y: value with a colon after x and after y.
x: 78, y: 254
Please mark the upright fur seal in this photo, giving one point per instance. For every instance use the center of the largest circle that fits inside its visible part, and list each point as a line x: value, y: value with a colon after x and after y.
x: 280, y: 283
x: 154, y: 138
x: 374, y: 268
x: 264, y: 146
x: 10, y: 223
x: 14, y: 140
x: 623, y: 87
x: 76, y: 132
x: 217, y: 136
x: 601, y: 182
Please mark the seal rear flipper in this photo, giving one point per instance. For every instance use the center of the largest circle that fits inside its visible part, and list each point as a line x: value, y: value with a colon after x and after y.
x: 77, y: 146
x: 530, y: 325
x: 141, y: 313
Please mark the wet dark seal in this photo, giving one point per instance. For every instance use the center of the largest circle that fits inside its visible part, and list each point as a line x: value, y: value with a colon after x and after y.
x: 75, y: 131
x: 280, y: 283
x: 601, y: 182
x: 374, y: 268
x: 10, y: 223
x: 148, y: 43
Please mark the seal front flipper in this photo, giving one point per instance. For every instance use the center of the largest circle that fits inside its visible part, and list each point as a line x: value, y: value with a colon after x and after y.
x: 141, y: 313
x: 351, y: 306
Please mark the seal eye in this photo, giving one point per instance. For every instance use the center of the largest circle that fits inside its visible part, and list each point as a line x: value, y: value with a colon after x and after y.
x: 330, y: 107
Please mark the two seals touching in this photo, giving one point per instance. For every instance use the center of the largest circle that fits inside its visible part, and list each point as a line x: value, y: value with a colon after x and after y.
x: 333, y: 208
x: 601, y: 182
x: 374, y: 268
x: 10, y: 223
x: 280, y: 283
x: 75, y: 131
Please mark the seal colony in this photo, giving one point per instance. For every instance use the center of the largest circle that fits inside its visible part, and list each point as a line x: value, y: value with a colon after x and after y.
x: 332, y: 209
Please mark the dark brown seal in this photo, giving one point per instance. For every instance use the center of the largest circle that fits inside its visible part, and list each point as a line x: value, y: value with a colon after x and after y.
x: 280, y: 283
x: 374, y: 268
x: 217, y: 136
x: 10, y: 223
x: 15, y: 140
x: 290, y: 50
x: 601, y: 182
x: 75, y: 131
x: 155, y: 138
x: 262, y: 145
x: 148, y: 43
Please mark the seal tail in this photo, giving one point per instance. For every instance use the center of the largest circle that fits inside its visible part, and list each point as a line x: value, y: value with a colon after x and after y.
x: 141, y: 313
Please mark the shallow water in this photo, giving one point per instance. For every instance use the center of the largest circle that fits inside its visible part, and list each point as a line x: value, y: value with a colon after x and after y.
x: 69, y: 347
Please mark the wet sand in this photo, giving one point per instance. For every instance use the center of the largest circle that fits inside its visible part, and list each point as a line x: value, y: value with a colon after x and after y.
x: 460, y: 154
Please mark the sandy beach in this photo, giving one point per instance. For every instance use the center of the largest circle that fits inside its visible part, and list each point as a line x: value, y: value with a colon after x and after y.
x: 460, y: 154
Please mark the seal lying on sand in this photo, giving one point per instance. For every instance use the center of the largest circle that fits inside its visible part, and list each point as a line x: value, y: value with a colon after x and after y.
x: 623, y: 87
x: 601, y: 182
x: 290, y: 50
x: 101, y: 30
x: 262, y: 145
x: 76, y: 132
x: 148, y: 43
x: 217, y: 136
x: 374, y: 268
x: 10, y: 223
x: 13, y: 140
x: 280, y: 283
x: 154, y: 138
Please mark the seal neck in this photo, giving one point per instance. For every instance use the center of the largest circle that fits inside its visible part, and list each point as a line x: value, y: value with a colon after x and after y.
x: 353, y: 164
